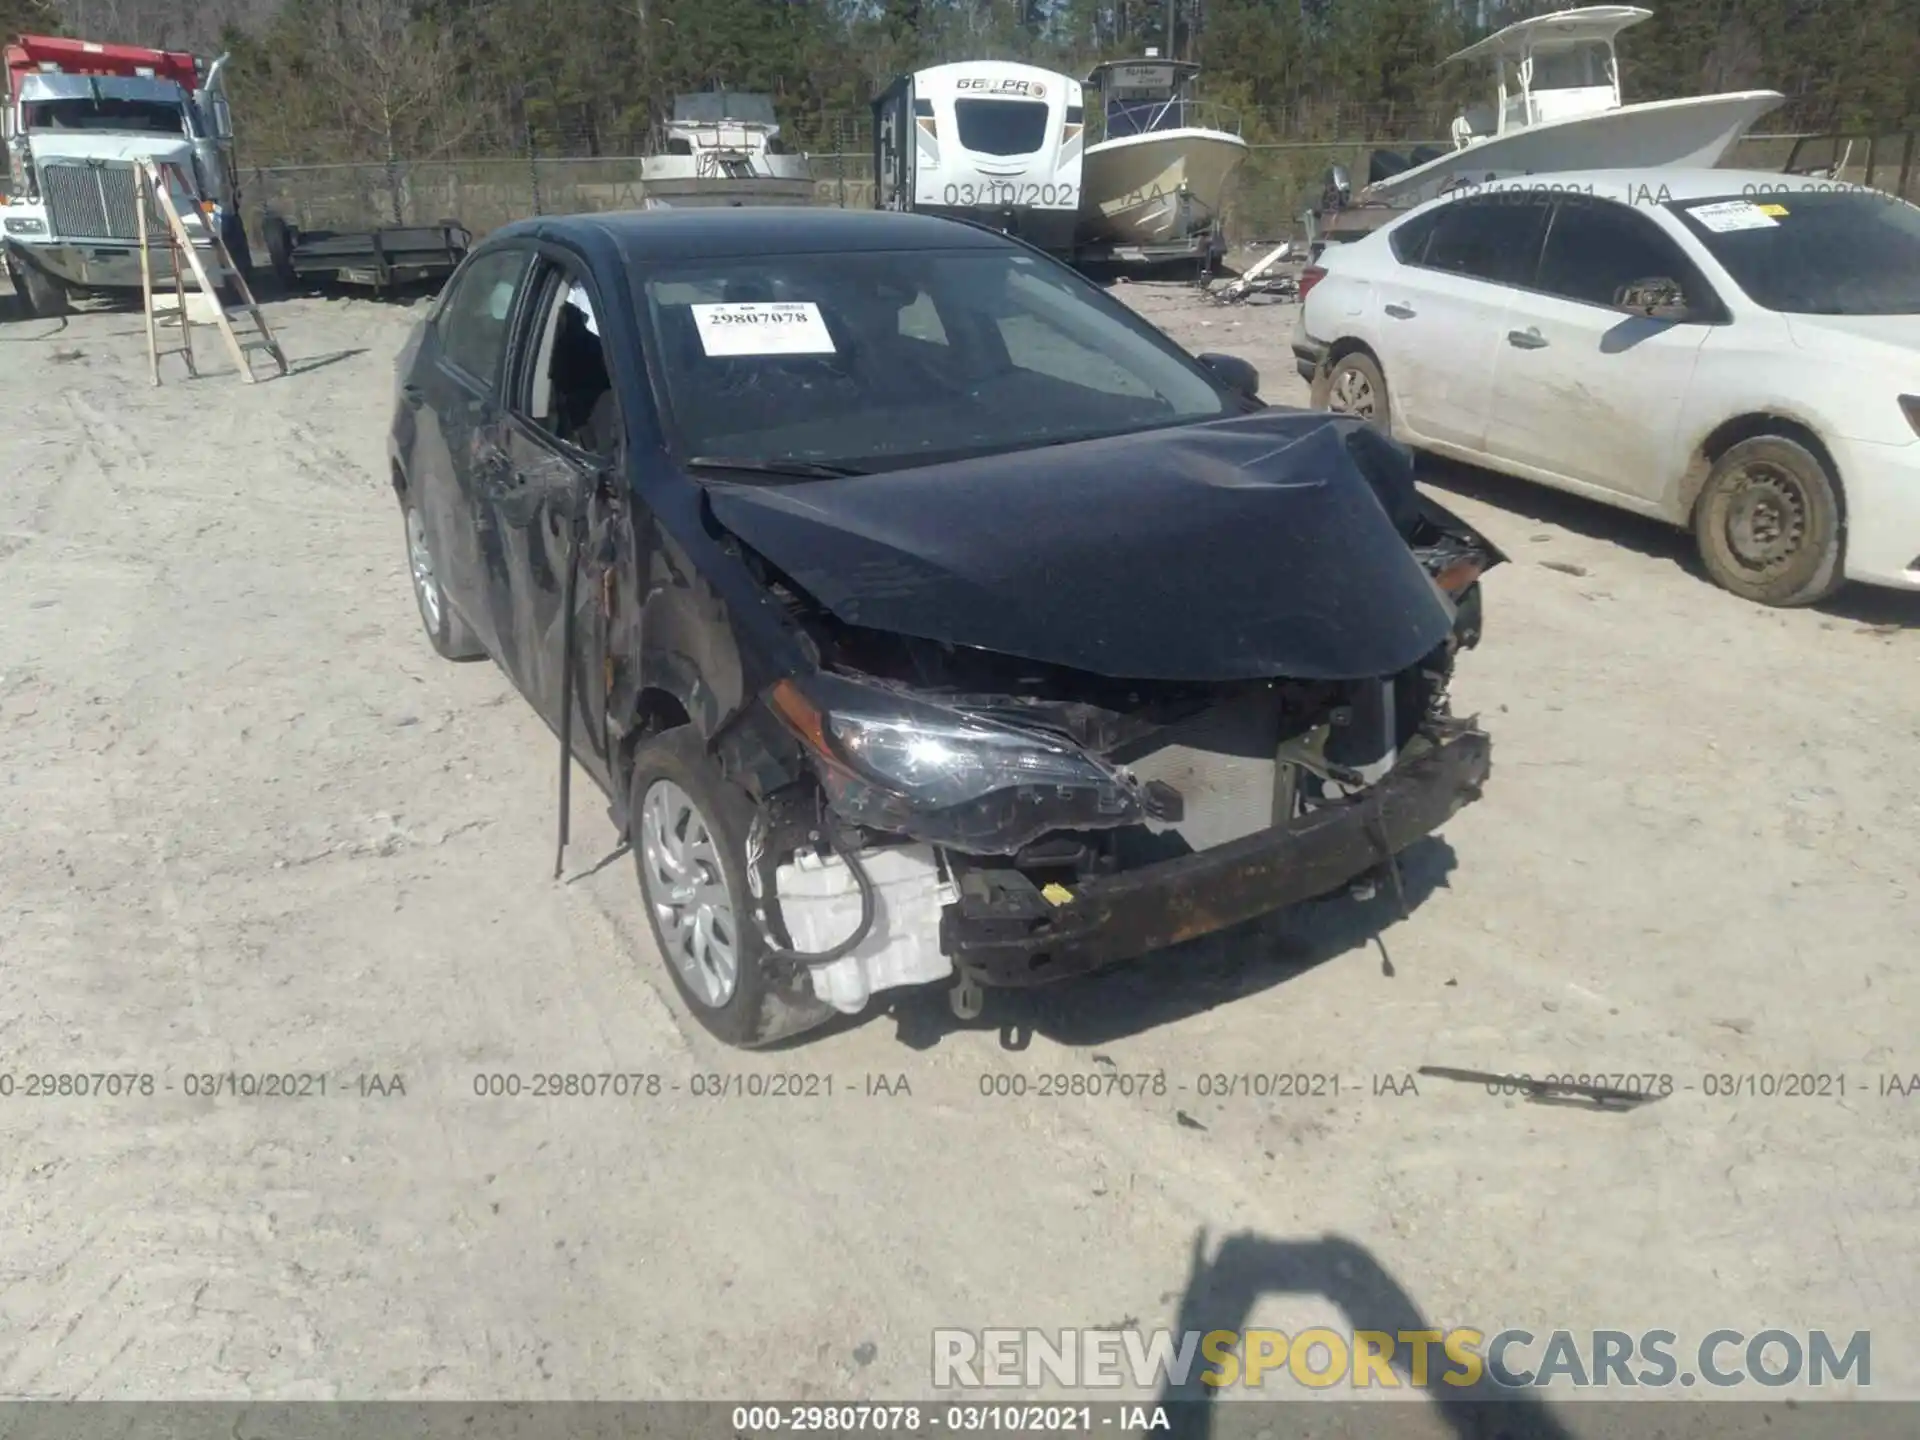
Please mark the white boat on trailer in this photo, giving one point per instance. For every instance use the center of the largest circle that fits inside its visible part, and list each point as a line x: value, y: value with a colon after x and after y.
x: 723, y: 147
x: 1153, y: 186
x: 1559, y: 106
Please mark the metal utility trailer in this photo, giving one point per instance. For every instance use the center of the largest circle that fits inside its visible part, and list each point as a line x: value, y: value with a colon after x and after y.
x: 1205, y: 247
x: 383, y: 258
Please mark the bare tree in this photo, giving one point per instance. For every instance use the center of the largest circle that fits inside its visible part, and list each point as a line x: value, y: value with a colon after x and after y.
x: 163, y: 24
x: 395, y: 81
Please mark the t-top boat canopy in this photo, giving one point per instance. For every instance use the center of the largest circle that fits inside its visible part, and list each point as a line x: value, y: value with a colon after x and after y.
x: 1144, y: 96
x: 1552, y: 67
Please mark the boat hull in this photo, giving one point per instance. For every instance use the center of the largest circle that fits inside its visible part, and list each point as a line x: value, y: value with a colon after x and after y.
x: 1156, y: 189
x: 1694, y: 132
x: 684, y: 191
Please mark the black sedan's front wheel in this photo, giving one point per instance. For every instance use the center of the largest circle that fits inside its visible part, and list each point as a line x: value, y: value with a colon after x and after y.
x: 688, y: 831
x: 450, y: 635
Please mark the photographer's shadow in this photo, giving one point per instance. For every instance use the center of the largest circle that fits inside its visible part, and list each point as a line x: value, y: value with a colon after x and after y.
x: 1221, y: 1294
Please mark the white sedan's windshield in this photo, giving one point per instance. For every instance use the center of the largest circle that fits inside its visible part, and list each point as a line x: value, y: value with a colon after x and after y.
x: 879, y: 360
x: 1815, y: 251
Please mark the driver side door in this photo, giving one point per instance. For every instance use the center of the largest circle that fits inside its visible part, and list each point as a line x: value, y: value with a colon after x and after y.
x: 560, y: 437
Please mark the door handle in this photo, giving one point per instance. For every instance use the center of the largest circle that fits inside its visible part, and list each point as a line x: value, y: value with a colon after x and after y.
x: 1528, y: 339
x: 1400, y: 312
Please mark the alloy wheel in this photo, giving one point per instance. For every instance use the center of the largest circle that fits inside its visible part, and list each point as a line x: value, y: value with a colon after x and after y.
x: 426, y: 586
x: 1351, y: 394
x: 687, y: 889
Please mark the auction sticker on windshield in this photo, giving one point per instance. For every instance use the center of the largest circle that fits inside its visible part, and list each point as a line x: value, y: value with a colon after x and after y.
x: 763, y: 328
x: 1725, y: 215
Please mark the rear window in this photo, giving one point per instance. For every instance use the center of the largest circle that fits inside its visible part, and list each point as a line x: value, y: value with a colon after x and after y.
x: 1409, y: 241
x: 1496, y: 238
x: 1001, y: 127
x: 1828, y: 251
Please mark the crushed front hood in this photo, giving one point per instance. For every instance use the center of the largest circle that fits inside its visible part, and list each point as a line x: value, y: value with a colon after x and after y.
x: 1240, y: 549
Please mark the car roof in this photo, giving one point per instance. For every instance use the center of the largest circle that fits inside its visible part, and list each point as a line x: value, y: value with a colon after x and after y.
x: 734, y: 231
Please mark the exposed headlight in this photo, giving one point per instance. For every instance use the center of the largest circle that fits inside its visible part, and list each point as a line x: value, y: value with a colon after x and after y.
x: 892, y: 762
x: 26, y: 225
x: 938, y: 764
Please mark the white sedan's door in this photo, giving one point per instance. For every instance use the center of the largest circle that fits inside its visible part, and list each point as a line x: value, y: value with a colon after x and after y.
x: 1441, y: 313
x: 1583, y: 391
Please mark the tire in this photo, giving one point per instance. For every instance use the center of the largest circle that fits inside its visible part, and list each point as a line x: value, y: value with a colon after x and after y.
x: 280, y: 239
x: 676, y: 795
x: 449, y: 634
x: 239, y: 248
x: 46, y: 298
x: 1768, y: 523
x: 1353, y: 385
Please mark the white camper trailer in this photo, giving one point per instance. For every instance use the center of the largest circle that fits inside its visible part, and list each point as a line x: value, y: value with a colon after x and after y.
x: 983, y: 140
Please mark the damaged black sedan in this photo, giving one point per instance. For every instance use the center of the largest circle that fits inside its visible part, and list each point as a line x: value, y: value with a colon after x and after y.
x: 926, y: 615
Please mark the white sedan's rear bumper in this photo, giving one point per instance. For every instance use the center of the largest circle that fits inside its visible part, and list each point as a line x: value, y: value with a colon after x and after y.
x: 1883, y: 512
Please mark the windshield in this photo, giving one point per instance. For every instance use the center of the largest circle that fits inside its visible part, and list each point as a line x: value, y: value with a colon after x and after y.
x: 144, y: 116
x: 1575, y: 67
x: 1815, y: 252
x: 1001, y: 127
x: 897, y: 358
x: 714, y: 107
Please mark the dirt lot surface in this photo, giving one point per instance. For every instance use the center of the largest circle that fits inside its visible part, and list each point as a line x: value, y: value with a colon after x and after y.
x: 253, y: 825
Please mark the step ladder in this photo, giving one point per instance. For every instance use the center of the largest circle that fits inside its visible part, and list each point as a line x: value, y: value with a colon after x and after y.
x: 156, y: 186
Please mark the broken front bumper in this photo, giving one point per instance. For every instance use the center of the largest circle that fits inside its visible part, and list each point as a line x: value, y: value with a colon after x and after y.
x: 1122, y: 917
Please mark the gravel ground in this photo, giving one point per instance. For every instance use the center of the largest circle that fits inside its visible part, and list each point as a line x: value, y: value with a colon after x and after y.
x: 252, y: 825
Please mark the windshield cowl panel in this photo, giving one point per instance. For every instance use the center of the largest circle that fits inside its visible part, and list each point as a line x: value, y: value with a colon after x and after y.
x: 891, y: 360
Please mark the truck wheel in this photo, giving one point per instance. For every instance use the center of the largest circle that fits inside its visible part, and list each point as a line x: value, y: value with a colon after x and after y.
x: 689, y: 838
x: 1768, y: 523
x: 45, y: 297
x: 279, y: 236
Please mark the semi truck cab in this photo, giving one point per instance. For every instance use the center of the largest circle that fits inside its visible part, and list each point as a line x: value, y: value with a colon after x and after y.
x: 79, y: 115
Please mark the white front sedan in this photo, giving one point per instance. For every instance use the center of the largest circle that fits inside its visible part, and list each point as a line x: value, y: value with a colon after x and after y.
x: 1735, y: 351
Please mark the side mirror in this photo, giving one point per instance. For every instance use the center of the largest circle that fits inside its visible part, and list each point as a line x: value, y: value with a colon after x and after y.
x: 1239, y: 375
x: 1659, y: 298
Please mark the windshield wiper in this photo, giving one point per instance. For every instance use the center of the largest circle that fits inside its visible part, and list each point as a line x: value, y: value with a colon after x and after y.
x: 798, y: 469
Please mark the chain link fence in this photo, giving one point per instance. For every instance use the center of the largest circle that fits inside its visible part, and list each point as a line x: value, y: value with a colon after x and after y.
x: 1272, y: 187
x: 1275, y: 185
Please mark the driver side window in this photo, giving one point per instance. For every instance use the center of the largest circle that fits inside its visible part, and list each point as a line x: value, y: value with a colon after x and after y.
x: 1596, y: 247
x: 566, y: 386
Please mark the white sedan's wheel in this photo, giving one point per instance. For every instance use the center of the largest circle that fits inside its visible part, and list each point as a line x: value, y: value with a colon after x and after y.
x: 1768, y: 523
x: 1353, y: 385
